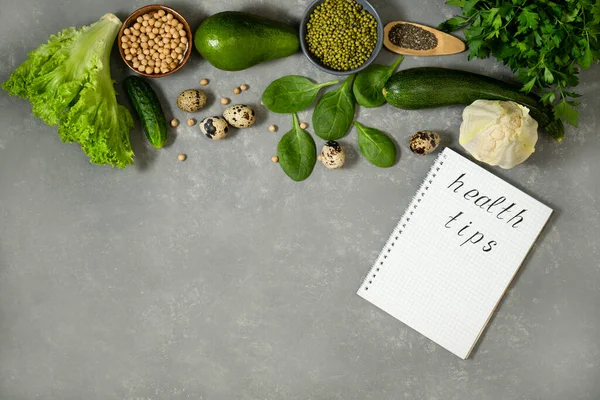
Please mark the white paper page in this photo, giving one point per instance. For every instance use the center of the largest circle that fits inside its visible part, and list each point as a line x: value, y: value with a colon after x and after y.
x: 443, y: 284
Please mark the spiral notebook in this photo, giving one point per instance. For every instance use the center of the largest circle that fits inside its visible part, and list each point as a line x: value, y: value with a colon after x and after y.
x: 454, y: 252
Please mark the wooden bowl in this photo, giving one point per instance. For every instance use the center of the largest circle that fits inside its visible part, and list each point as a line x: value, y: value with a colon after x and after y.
x: 152, y: 8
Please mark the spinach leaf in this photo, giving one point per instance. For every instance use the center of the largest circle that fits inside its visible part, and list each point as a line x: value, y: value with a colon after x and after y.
x: 369, y: 84
x: 376, y: 146
x: 334, y: 112
x: 297, y: 152
x: 291, y: 93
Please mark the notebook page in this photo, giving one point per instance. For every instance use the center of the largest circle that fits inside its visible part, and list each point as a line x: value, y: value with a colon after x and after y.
x: 454, y: 252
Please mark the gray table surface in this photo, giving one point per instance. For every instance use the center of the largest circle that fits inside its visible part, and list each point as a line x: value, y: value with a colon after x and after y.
x: 220, y: 278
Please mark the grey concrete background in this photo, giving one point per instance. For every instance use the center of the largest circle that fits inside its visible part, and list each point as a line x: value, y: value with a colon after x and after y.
x: 220, y: 278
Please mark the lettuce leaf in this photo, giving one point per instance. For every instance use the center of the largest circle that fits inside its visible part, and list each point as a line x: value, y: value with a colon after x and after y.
x: 68, y: 82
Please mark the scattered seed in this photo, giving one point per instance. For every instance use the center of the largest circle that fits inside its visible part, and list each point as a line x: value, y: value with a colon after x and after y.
x: 261, y: 103
x: 224, y: 100
x: 275, y: 159
x: 303, y: 125
x: 191, y: 122
x: 237, y: 90
x: 204, y: 82
x: 174, y: 122
x: 244, y: 87
x: 319, y: 158
x: 272, y: 128
x: 181, y: 157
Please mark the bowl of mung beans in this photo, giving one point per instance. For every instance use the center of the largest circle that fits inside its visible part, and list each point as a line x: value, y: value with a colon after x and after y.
x: 155, y: 41
x: 341, y: 37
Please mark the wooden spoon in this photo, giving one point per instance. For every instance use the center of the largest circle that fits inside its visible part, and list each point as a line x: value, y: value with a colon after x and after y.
x: 447, y: 44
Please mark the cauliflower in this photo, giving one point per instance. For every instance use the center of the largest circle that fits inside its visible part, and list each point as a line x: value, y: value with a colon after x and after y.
x: 498, y: 132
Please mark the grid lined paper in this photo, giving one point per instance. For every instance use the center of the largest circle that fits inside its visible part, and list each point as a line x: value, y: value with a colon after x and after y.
x: 426, y: 279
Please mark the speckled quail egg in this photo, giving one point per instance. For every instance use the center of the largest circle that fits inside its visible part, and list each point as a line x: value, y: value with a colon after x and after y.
x: 240, y: 116
x: 214, y: 128
x: 424, y: 142
x: 332, y: 155
x: 191, y: 100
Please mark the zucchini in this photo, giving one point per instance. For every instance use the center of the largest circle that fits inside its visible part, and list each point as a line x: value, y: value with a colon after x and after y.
x: 148, y: 110
x: 429, y: 87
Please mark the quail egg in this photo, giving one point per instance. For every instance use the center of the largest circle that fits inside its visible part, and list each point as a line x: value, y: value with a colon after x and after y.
x: 424, y: 142
x: 240, y: 116
x: 332, y: 155
x: 191, y: 100
x: 214, y: 128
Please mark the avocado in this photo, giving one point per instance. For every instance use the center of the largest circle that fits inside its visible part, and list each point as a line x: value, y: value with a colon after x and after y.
x: 233, y: 40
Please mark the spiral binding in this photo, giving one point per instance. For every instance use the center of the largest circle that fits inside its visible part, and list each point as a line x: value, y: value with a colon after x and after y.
x: 408, y: 213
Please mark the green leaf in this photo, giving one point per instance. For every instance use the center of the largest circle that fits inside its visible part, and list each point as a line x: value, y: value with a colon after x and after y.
x: 548, y: 98
x: 566, y: 112
x: 368, y: 86
x: 334, y: 112
x: 456, y: 3
x: 548, y: 77
x: 586, y: 60
x: 376, y: 146
x: 292, y: 93
x: 297, y: 152
x: 453, y: 24
x: 469, y: 5
x: 529, y: 19
x: 529, y: 85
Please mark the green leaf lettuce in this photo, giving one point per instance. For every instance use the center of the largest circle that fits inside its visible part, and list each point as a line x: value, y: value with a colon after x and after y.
x: 68, y: 82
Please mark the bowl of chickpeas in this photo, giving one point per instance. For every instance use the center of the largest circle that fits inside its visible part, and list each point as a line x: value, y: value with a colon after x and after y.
x: 155, y: 41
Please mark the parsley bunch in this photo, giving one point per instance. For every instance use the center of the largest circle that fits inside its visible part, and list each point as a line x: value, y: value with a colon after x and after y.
x: 545, y: 42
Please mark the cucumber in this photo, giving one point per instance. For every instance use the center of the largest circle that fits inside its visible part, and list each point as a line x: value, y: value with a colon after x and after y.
x: 148, y: 110
x: 429, y: 87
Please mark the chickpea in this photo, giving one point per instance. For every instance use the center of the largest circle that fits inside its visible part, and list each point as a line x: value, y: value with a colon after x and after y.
x: 161, y: 13
x: 155, y: 31
x: 173, y: 55
x: 169, y: 16
x: 133, y: 51
x: 156, y: 15
x: 204, y: 82
x: 126, y: 51
x: 141, y: 68
x: 172, y: 65
x: 164, y: 70
x: 156, y: 70
x: 144, y: 62
x: 224, y: 100
x: 136, y: 64
x: 174, y: 45
x: 139, y: 19
x: 161, y: 31
x: 178, y: 50
x: 144, y: 39
x: 144, y: 45
x: 135, y: 45
x: 135, y: 32
x: 180, y: 57
x: 182, y: 33
x: 191, y: 122
x: 165, y: 40
x: 164, y: 19
x: 151, y: 63
x: 140, y: 57
x: 129, y: 57
x: 237, y: 90
x: 149, y: 70
x: 146, y: 52
x: 151, y: 36
x: 179, y: 26
x: 244, y: 87
x: 168, y: 60
x: 124, y: 39
x: 124, y: 46
x: 146, y: 17
x: 127, y: 31
x: 167, y: 35
x: 182, y: 46
x: 162, y: 57
x: 158, y: 24
x: 166, y: 52
x: 144, y: 26
x: 174, y: 22
x: 155, y: 56
x: 175, y: 36
x: 183, y: 40
x: 151, y: 21
x: 137, y: 26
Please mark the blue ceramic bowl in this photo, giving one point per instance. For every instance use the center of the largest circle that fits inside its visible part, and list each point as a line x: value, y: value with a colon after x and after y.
x: 367, y: 7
